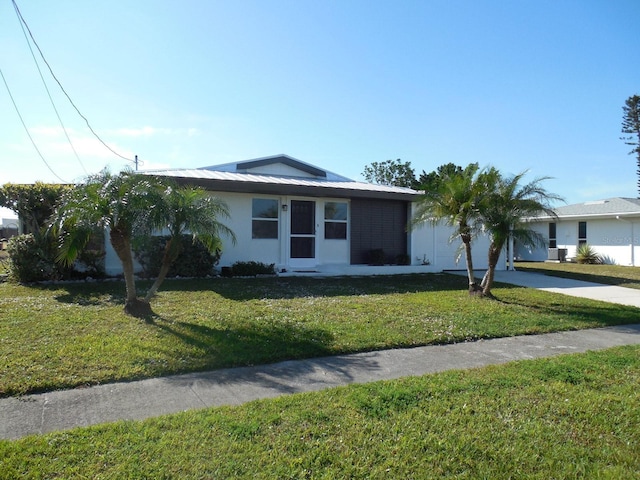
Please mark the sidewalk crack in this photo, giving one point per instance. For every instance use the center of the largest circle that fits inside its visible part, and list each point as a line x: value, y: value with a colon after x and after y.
x: 198, y: 396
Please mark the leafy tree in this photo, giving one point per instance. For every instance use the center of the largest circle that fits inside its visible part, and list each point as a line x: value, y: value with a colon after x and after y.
x: 392, y: 173
x: 631, y: 127
x: 116, y: 202
x: 455, y: 200
x: 503, y: 209
x: 182, y: 210
x: 431, y: 181
x: 34, y: 204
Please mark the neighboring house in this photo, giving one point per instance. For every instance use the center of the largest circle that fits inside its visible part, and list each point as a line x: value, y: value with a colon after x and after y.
x: 305, y: 219
x: 611, y: 227
x: 8, y: 229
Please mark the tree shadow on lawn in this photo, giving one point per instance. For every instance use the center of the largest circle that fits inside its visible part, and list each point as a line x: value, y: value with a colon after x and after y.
x: 249, y: 344
x: 300, y: 287
x: 578, y: 310
x: 87, y: 294
x: 113, y: 292
x: 586, y: 277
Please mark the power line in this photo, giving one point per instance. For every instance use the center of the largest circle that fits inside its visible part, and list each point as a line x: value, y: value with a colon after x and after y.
x: 49, y: 94
x: 27, y: 130
x: 62, y: 88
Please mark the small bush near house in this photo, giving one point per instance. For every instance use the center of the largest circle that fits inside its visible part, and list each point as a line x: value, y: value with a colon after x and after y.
x: 251, y: 269
x: 193, y: 261
x: 31, y: 259
x: 586, y: 254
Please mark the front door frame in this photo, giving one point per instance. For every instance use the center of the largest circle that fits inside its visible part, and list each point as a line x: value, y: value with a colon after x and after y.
x: 307, y: 232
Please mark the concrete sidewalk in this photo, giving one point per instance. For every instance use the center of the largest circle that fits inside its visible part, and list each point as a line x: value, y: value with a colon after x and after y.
x: 65, y: 409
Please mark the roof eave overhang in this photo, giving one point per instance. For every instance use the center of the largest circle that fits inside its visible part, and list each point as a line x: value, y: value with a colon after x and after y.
x: 215, y: 185
x: 603, y: 216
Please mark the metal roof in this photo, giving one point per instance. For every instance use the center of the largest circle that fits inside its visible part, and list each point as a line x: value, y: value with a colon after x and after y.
x: 611, y: 208
x: 276, y: 184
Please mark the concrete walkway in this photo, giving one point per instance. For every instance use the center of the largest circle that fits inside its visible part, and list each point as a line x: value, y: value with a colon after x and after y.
x: 65, y: 409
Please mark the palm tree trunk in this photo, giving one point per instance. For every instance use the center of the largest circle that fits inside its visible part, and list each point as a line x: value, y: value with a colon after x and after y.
x: 487, y: 281
x: 122, y: 246
x: 473, y: 286
x: 171, y: 251
x: 164, y: 269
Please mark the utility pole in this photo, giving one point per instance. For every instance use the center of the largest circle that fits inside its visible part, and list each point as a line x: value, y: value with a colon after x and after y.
x: 136, y: 163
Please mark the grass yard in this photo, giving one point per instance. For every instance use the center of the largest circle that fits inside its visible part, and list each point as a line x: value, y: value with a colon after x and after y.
x: 62, y: 336
x: 574, y: 416
x: 607, y: 274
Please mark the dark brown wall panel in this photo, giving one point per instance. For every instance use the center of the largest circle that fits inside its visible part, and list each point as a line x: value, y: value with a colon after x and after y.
x: 378, y: 224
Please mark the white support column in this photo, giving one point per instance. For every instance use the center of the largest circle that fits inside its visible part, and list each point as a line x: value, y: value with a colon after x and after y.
x: 511, y: 254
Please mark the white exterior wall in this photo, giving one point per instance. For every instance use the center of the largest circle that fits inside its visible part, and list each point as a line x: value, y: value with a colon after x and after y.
x: 432, y: 243
x: 617, y: 241
x: 328, y: 251
x: 540, y: 254
x: 427, y: 243
x: 266, y: 250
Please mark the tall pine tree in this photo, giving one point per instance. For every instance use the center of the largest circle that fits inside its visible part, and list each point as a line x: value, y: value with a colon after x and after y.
x: 631, y: 127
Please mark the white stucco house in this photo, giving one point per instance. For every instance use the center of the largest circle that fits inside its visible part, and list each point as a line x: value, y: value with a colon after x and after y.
x: 611, y: 227
x: 305, y: 219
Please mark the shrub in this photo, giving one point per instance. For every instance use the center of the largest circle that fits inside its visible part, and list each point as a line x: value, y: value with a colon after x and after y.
x: 251, y: 269
x: 586, y: 254
x: 194, y: 259
x: 31, y: 259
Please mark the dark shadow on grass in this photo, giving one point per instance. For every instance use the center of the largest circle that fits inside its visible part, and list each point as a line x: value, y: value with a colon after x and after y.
x: 113, y: 292
x: 300, y: 287
x: 577, y: 309
x: 248, y: 345
x: 586, y: 277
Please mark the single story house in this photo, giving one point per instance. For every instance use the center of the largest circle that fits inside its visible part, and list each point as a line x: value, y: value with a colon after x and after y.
x: 303, y: 218
x: 611, y: 227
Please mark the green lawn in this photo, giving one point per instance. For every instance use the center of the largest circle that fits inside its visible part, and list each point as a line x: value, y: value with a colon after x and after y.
x: 574, y: 416
x: 607, y: 274
x: 62, y: 336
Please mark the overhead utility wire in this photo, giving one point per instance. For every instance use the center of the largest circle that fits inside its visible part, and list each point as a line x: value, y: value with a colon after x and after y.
x: 27, y: 130
x: 49, y: 95
x: 62, y: 88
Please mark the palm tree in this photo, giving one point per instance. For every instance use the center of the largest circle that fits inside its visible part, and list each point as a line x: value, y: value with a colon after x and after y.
x: 455, y: 201
x: 502, y: 212
x: 114, y: 202
x: 185, y: 209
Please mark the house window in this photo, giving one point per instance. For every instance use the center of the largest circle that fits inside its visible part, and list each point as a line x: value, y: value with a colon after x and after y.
x: 582, y: 233
x: 552, y: 236
x: 264, y: 218
x: 335, y: 220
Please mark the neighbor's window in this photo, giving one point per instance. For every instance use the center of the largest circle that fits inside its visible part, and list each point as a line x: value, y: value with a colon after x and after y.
x: 552, y: 236
x: 582, y: 233
x: 264, y: 218
x: 335, y: 220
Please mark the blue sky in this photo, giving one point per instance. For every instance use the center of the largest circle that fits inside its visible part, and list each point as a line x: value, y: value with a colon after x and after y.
x: 535, y: 85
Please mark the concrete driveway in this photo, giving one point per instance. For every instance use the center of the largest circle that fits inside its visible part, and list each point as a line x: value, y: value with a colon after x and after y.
x: 566, y: 286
